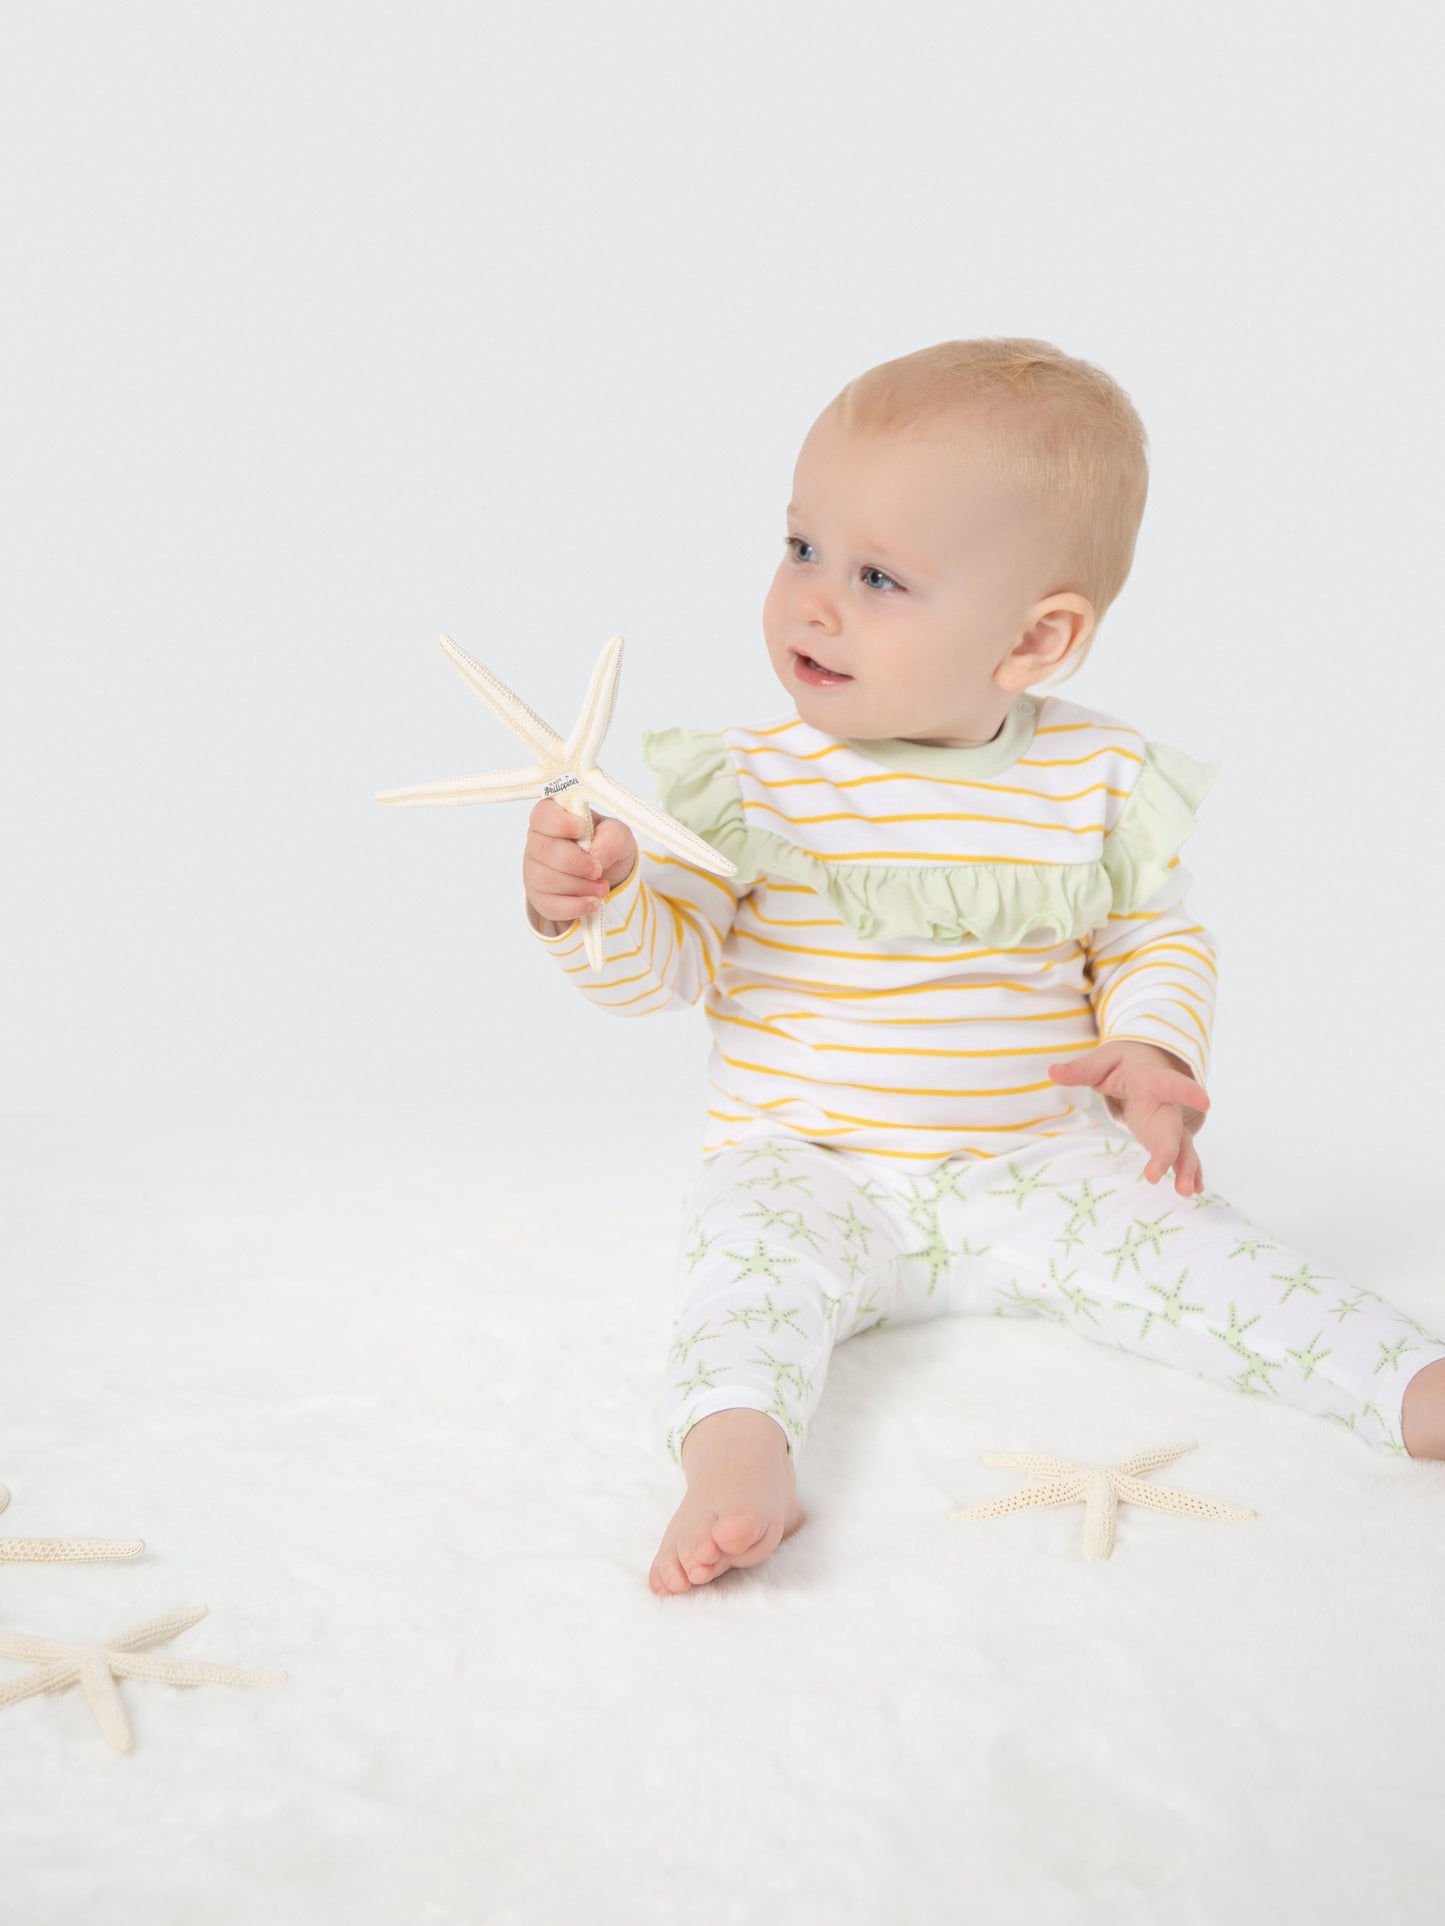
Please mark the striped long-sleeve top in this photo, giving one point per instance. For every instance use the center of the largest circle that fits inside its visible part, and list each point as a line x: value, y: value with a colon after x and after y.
x: 914, y: 932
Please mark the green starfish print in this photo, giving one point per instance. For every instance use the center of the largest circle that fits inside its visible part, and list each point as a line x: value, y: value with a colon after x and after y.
x: 1392, y: 1354
x: 854, y: 1228
x: 682, y: 1345
x: 776, y: 1180
x: 966, y: 1249
x: 1153, y: 1230
x: 832, y: 1305
x: 855, y: 1263
x: 1127, y: 1252
x: 934, y: 1253
x: 777, y: 1409
x: 768, y: 1313
x: 701, y: 1380
x: 870, y: 1189
x: 1011, y: 1294
x: 1082, y: 1302
x: 700, y: 1250
x: 1111, y: 1149
x: 862, y: 1309
x: 675, y: 1437
x: 1207, y: 1199
x: 1299, y: 1280
x: 1243, y: 1380
x: 1256, y: 1362
x: 1022, y: 1187
x: 774, y: 1219
x: 1405, y: 1319
x: 947, y: 1182
x: 1340, y: 1418
x: 785, y: 1368
x: 1172, y: 1307
x: 1250, y: 1247
x: 749, y: 1153
x: 1309, y: 1357
x: 1069, y: 1236
x: 760, y: 1262
x: 1084, y: 1209
x: 1342, y: 1307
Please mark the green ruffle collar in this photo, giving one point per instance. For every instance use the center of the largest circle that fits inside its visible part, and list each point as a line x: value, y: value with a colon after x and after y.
x: 995, y: 903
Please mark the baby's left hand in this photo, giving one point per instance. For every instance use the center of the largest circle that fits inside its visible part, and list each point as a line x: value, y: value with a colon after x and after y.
x: 1151, y: 1091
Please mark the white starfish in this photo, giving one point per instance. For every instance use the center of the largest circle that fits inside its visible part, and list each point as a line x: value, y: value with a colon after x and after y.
x: 20, y: 1551
x: 99, y: 1666
x: 1101, y: 1488
x: 567, y: 770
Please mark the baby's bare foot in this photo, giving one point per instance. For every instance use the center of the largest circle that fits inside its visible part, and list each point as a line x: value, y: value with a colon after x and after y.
x: 741, y: 1500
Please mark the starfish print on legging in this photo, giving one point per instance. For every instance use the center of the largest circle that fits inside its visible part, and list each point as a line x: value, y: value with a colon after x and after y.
x: 935, y: 1254
x: 1207, y: 1198
x: 1111, y: 1149
x: 1250, y: 1247
x: 1309, y: 1357
x: 1013, y: 1295
x: 1152, y: 1231
x: 856, y: 1263
x: 862, y: 1308
x: 1126, y: 1252
x: 760, y: 1262
x: 776, y: 1180
x: 777, y: 1409
x: 1404, y: 1318
x: 1083, y: 1304
x: 1234, y: 1338
x: 854, y: 1227
x: 749, y: 1153
x: 948, y: 1180
x: 682, y: 1345
x: 789, y: 1220
x: 1392, y: 1353
x: 700, y: 1250
x: 701, y: 1380
x: 1022, y: 1187
x: 1172, y: 1307
x: 1244, y: 1380
x: 833, y: 1305
x: 966, y: 1249
x: 1343, y: 1306
x: 1084, y: 1209
x: 1300, y: 1280
x: 1341, y: 1418
x: 768, y: 1313
x: 1069, y: 1236
x: 785, y: 1368
x: 872, y: 1191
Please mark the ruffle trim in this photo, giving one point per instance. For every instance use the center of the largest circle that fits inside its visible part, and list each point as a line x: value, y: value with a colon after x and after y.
x: 991, y: 902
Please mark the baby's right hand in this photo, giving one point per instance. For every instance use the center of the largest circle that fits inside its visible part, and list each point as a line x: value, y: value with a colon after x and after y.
x: 562, y: 880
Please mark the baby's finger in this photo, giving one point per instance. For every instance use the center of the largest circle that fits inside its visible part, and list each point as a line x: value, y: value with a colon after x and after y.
x: 551, y: 819
x: 560, y: 854
x: 1188, y: 1177
x: 1162, y: 1135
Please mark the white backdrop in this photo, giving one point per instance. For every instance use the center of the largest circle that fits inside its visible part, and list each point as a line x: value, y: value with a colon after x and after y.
x: 327, y: 328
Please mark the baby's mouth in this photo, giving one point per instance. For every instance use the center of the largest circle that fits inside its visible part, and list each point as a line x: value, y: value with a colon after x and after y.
x: 820, y: 668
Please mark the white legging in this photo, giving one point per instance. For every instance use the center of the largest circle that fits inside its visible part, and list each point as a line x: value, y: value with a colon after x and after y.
x: 789, y: 1247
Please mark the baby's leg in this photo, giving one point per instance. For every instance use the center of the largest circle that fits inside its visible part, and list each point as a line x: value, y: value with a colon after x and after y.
x: 1193, y: 1283
x: 782, y: 1245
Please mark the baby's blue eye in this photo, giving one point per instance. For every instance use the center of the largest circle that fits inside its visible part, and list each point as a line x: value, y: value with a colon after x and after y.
x: 793, y: 543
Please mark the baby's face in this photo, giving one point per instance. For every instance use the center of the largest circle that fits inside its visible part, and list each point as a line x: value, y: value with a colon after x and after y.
x: 910, y: 572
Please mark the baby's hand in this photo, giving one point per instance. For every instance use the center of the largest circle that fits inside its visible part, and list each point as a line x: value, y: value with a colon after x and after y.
x: 1152, y: 1093
x: 562, y: 880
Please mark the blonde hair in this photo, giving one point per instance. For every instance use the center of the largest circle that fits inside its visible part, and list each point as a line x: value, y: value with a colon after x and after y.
x: 1061, y: 430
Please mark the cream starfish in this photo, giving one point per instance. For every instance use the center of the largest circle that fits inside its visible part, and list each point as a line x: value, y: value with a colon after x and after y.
x: 567, y: 770
x: 99, y: 1666
x: 1101, y: 1487
x: 21, y: 1551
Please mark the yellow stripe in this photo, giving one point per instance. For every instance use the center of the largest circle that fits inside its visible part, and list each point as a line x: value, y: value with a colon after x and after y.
x: 889, y: 1089
x: 929, y: 816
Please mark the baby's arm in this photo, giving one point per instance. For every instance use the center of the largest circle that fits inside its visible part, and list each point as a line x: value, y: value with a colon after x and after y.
x: 663, y: 943
x: 1153, y: 974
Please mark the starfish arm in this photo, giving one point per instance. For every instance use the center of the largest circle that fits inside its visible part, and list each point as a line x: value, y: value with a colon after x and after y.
x: 1101, y: 1502
x: 100, y: 1689
x: 50, y: 1678
x: 135, y: 1665
x: 1029, y: 1496
x: 1165, y: 1498
x: 155, y: 1631
x: 584, y: 745
x: 29, y: 1551
x: 540, y: 737
x: 1154, y: 1455
x: 19, y: 1645
x: 1045, y: 1467
x: 610, y: 796
x: 503, y: 785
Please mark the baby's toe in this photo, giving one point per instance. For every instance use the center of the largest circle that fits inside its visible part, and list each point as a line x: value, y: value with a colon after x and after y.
x: 667, y: 1575
x: 744, y: 1536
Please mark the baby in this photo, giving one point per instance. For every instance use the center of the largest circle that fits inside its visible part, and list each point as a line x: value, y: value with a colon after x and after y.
x: 960, y: 1013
